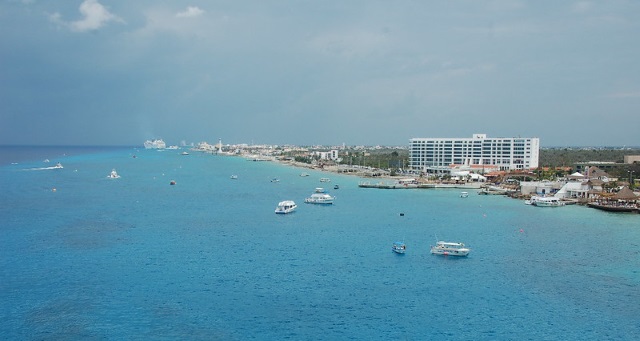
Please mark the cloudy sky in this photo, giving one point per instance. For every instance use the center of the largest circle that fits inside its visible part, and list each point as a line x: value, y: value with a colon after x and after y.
x: 116, y: 72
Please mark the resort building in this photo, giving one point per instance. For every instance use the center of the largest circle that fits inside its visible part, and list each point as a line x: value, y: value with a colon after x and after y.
x: 440, y: 155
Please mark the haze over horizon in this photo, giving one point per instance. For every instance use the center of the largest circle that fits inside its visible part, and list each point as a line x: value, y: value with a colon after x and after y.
x: 100, y: 72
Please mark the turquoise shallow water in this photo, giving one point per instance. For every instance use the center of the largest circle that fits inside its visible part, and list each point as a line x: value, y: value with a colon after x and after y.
x: 207, y: 259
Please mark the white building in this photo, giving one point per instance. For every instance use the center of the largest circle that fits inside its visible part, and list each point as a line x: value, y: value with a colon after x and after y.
x: 330, y: 155
x: 439, y: 155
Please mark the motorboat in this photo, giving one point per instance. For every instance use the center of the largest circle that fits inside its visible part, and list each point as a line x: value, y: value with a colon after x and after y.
x: 304, y: 174
x: 234, y: 177
x: 57, y: 166
x: 398, y: 247
x: 113, y: 174
x: 546, y: 202
x: 285, y: 207
x: 155, y: 144
x: 320, y: 197
x: 450, y: 249
x: 325, y: 180
x: 184, y: 153
x: 464, y: 194
x: 336, y: 187
x: 275, y: 180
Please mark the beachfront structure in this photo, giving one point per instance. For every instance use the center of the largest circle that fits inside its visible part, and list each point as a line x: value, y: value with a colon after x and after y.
x: 440, y: 155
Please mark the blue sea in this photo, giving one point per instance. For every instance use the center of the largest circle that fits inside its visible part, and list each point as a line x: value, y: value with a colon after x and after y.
x: 84, y: 257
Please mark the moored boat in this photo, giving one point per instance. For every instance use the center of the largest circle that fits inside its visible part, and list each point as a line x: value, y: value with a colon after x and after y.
x: 546, y: 202
x: 113, y: 174
x: 450, y: 249
x: 464, y: 194
x: 286, y: 206
x: 399, y: 247
x: 320, y: 197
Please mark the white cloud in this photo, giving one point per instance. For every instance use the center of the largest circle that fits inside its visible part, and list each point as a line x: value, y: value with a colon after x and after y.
x: 190, y: 12
x: 95, y: 15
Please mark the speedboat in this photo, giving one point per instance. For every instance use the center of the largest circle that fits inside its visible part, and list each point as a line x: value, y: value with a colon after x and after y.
x: 234, y: 177
x: 336, y: 187
x: 275, y: 180
x: 546, y: 202
x: 58, y: 166
x: 325, y: 180
x: 450, y: 249
x: 398, y: 247
x: 184, y: 153
x: 113, y: 174
x: 304, y: 174
x: 285, y: 207
x: 464, y: 194
x: 320, y: 197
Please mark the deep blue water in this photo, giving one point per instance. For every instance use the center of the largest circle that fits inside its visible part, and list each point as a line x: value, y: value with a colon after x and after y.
x: 207, y: 259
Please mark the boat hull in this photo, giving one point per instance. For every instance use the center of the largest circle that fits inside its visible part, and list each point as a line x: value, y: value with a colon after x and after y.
x: 458, y: 253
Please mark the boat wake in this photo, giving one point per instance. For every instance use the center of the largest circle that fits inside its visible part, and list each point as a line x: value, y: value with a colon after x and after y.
x: 58, y: 166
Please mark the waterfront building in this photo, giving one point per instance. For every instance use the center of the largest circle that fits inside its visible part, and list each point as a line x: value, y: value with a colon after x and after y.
x: 440, y: 155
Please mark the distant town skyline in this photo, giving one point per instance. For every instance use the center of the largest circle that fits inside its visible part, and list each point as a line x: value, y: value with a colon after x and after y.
x: 98, y: 72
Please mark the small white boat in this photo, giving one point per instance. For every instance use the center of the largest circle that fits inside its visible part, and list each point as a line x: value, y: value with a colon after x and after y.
x: 320, y: 197
x: 234, y: 177
x: 275, y: 180
x: 184, y: 153
x: 113, y: 174
x: 398, y: 247
x: 325, y: 180
x: 450, y: 249
x: 464, y: 194
x: 58, y: 166
x: 304, y: 174
x: 546, y: 202
x: 285, y: 207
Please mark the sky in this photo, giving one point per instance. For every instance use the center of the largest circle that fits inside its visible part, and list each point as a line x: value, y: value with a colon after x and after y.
x: 118, y: 72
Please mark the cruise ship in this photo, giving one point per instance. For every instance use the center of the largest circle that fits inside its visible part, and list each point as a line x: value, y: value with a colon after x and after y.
x: 154, y: 144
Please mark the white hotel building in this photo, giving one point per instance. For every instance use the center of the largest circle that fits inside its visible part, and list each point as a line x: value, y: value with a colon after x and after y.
x: 441, y: 155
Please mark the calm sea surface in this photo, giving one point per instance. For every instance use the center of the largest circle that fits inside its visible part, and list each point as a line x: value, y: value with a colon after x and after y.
x: 84, y: 257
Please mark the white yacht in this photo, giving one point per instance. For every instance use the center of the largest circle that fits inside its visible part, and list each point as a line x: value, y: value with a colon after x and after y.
x: 450, y: 249
x: 320, y: 197
x: 155, y: 144
x: 399, y: 247
x: 113, y: 174
x: 285, y: 207
x: 546, y: 202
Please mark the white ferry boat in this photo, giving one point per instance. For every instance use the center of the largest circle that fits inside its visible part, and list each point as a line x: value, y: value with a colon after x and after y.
x: 450, y: 249
x: 546, y: 202
x: 155, y: 144
x: 285, y: 207
x: 320, y: 197
x: 398, y: 247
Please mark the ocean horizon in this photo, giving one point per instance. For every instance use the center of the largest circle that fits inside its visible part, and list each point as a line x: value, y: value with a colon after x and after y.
x: 86, y: 257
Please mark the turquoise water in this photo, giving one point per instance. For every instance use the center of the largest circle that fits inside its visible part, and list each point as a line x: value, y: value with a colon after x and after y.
x: 207, y: 259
